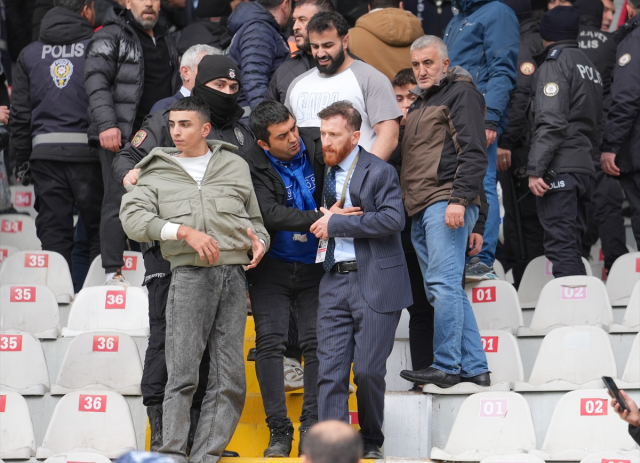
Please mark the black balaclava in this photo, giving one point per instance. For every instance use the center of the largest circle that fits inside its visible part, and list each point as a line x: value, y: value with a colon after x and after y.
x: 592, y: 9
x: 213, y: 8
x: 223, y: 106
x: 560, y: 23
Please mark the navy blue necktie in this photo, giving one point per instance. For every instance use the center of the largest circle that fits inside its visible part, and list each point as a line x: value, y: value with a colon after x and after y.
x: 330, y: 200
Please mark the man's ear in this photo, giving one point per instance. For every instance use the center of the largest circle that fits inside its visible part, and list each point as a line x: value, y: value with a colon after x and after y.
x: 355, y: 138
x: 345, y: 42
x: 206, y: 129
x: 263, y: 145
x: 445, y: 65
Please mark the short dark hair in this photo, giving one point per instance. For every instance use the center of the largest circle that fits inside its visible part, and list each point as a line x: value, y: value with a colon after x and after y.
x: 320, y: 449
x: 193, y: 103
x: 373, y: 4
x: 327, y: 20
x: 404, y: 77
x: 321, y: 5
x: 73, y: 5
x: 268, y: 4
x: 267, y: 113
x: 345, y: 109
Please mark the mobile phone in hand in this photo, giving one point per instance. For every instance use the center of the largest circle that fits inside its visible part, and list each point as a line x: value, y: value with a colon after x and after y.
x: 615, y: 392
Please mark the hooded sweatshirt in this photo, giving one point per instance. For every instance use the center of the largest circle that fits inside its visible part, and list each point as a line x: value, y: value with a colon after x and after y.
x: 383, y: 38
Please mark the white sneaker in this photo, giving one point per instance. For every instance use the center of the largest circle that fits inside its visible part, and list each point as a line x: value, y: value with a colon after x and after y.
x: 117, y: 280
x: 293, y: 375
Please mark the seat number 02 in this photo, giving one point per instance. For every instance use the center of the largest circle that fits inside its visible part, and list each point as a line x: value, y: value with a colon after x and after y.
x: 105, y: 343
x: 593, y: 407
x: 93, y: 403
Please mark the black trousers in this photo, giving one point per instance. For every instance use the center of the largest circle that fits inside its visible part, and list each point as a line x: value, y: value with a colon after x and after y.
x: 421, y: 318
x: 281, y: 288
x: 58, y: 185
x: 113, y: 236
x: 563, y: 212
x: 154, y: 373
x: 631, y: 184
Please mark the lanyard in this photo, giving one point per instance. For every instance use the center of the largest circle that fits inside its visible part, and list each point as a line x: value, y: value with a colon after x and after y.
x: 343, y: 195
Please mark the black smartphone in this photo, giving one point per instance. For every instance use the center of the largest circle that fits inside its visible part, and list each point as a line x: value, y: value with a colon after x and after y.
x: 615, y: 392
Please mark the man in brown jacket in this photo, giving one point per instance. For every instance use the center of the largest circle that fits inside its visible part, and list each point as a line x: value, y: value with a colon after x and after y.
x: 383, y: 37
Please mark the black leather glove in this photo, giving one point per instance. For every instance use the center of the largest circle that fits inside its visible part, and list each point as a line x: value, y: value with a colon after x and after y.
x: 23, y: 174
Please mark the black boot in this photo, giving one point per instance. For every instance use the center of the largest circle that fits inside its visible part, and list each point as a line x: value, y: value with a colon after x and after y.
x: 483, y: 379
x: 154, y: 412
x: 195, y: 417
x: 280, y: 442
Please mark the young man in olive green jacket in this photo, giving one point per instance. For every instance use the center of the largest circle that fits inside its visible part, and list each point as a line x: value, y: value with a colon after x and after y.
x: 198, y: 200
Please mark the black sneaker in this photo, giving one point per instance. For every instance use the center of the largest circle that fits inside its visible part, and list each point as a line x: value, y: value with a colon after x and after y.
x: 372, y: 452
x: 251, y: 356
x: 154, y: 412
x: 280, y: 442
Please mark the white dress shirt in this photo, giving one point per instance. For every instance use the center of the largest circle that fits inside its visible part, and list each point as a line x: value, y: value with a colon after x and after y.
x: 345, y: 250
x: 185, y: 91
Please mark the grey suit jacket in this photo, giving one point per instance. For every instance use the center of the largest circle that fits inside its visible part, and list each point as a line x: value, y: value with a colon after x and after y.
x: 382, y: 268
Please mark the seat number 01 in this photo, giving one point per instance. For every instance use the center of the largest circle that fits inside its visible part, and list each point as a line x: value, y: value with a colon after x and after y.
x: 490, y: 343
x: 105, y: 343
x: 93, y: 403
x: 593, y: 407
x: 487, y: 294
x: 493, y: 408
x: 36, y: 260
x: 23, y: 294
x: 116, y: 300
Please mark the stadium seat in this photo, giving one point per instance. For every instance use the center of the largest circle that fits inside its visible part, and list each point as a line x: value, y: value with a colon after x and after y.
x: 44, y: 268
x: 23, y: 366
x: 5, y: 252
x: 537, y: 274
x: 509, y: 277
x: 503, y: 356
x: 487, y: 424
x: 499, y: 269
x: 109, y: 308
x: 23, y: 199
x: 583, y: 423
x: 623, y: 276
x: 570, y: 301
x: 631, y: 321
x: 84, y: 457
x: 573, y: 357
x: 16, y: 430
x: 631, y: 376
x: 513, y: 458
x: 100, y: 361
x: 94, y: 421
x: 133, y: 270
x: 19, y: 230
x: 495, y: 305
x: 30, y: 308
x: 632, y: 456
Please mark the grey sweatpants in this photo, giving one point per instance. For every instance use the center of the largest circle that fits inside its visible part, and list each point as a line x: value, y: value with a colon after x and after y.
x: 205, y: 306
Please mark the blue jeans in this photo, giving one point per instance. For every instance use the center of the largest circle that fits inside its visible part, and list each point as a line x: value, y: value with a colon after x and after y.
x: 492, y: 226
x: 457, y: 348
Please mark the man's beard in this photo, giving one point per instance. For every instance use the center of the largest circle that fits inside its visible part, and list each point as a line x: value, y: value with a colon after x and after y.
x: 338, y: 156
x: 334, y: 63
x: 306, y: 46
x: 146, y: 24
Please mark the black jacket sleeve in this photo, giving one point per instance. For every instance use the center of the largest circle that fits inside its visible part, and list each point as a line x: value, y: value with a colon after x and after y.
x: 517, y: 125
x: 634, y: 431
x: 20, y: 116
x: 483, y: 213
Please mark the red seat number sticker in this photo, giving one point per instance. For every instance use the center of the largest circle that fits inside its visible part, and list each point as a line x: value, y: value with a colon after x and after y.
x: 23, y: 294
x: 3, y: 403
x: 11, y: 226
x: 105, y: 344
x: 610, y: 460
x: 4, y: 253
x: 115, y: 300
x: 638, y: 265
x: 130, y: 263
x: 548, y: 267
x: 23, y: 199
x: 353, y: 418
x: 10, y: 342
x: 593, y: 407
x: 92, y: 403
x: 487, y: 294
x: 490, y: 343
x: 36, y: 260
x: 573, y: 292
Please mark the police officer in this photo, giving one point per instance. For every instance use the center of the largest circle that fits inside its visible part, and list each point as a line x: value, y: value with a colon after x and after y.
x: 49, y: 128
x: 566, y: 115
x: 218, y: 82
x: 522, y: 229
x: 621, y: 155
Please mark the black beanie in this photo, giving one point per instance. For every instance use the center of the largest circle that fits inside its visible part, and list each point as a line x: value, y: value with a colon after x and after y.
x: 522, y: 8
x: 216, y: 66
x: 560, y: 23
x: 213, y: 8
x: 591, y: 8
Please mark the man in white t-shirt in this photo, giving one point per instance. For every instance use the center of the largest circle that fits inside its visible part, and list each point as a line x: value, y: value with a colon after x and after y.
x: 340, y: 77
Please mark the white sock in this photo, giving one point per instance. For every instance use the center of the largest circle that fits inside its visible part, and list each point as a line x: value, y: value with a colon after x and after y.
x: 110, y: 276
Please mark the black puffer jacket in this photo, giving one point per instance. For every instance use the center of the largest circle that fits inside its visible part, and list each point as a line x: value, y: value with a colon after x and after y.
x: 114, y: 75
x: 600, y: 48
x: 299, y: 63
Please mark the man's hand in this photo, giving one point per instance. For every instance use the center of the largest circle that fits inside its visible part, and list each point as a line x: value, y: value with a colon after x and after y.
x: 321, y: 227
x: 504, y: 159
x: 131, y: 178
x: 4, y: 114
x: 608, y: 163
x: 475, y: 244
x: 454, y: 216
x: 258, y: 249
x: 110, y: 139
x: 491, y: 136
x: 631, y: 416
x: 201, y: 242
x: 335, y: 209
x: 537, y: 185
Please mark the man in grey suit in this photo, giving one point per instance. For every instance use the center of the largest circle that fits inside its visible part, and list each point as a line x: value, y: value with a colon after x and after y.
x: 366, y: 283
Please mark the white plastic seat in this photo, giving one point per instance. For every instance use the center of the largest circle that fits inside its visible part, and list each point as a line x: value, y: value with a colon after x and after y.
x: 495, y: 305
x: 23, y: 368
x: 505, y: 364
x: 43, y: 268
x: 489, y: 423
x: 623, y: 276
x: 100, y: 361
x: 631, y: 376
x: 570, y: 301
x: 631, y: 321
x: 632, y: 456
x: 499, y: 269
x: 133, y: 270
x: 16, y: 430
x: 583, y: 423
x: 573, y: 357
x: 109, y: 308
x: 30, y: 308
x: 6, y: 251
x: 19, y: 230
x: 537, y: 274
x: 23, y: 199
x: 84, y: 457
x: 90, y: 421
x: 513, y: 458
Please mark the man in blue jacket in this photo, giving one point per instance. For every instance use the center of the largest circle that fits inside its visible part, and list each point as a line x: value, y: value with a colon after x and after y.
x: 484, y: 39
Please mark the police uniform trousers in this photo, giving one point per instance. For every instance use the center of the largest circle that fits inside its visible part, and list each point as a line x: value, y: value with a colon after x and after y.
x: 563, y: 213
x: 631, y: 185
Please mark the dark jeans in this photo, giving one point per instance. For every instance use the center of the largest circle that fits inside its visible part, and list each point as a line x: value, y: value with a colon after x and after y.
x: 563, y: 213
x: 281, y: 286
x: 58, y: 185
x: 113, y: 236
x: 421, y: 318
x: 631, y: 184
x: 80, y: 256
